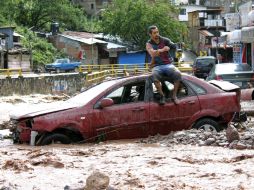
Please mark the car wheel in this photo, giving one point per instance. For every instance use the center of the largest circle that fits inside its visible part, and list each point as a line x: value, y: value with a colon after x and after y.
x: 57, y: 70
x: 55, y: 138
x: 207, y: 125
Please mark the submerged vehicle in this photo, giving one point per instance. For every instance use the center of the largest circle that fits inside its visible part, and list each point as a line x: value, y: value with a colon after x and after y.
x: 128, y: 108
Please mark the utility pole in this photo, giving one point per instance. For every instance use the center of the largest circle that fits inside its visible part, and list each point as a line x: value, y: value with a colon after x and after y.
x: 217, y: 40
x: 93, y: 18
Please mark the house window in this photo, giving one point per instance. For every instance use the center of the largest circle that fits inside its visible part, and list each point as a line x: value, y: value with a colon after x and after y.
x: 182, y: 11
x: 92, y: 6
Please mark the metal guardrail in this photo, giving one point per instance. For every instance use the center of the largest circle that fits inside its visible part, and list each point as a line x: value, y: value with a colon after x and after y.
x: 127, y: 68
x: 112, y: 69
x: 103, y: 71
x: 9, y: 72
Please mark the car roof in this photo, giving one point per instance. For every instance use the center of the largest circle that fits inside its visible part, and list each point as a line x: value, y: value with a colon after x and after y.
x: 232, y: 68
x: 138, y: 78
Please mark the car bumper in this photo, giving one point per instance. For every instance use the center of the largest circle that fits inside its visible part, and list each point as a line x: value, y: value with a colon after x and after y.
x: 20, y: 133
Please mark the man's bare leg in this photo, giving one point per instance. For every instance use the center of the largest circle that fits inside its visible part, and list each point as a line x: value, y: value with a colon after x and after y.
x: 176, y: 86
x: 159, y: 88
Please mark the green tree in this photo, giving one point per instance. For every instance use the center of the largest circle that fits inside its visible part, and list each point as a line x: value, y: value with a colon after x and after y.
x: 130, y: 19
x: 39, y: 14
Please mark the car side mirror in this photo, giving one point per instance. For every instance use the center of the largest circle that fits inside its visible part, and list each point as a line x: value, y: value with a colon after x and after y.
x: 106, y: 102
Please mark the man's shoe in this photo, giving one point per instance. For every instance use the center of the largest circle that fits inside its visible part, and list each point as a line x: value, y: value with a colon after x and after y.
x: 162, y: 100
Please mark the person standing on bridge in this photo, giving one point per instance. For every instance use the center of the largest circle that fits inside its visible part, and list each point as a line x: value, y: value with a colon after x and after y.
x: 162, y: 68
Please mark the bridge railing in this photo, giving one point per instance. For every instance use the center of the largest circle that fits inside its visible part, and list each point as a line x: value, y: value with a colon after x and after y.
x: 9, y: 72
x: 112, y: 69
x: 97, y: 73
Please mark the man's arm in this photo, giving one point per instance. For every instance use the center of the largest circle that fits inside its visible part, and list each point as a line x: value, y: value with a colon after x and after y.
x: 169, y: 43
x: 153, y: 53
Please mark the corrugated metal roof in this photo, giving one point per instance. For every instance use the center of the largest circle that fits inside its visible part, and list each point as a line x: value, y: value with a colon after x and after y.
x: 206, y: 33
x: 88, y: 41
x: 91, y: 41
x: 79, y: 34
x: 17, y: 34
x: 111, y: 45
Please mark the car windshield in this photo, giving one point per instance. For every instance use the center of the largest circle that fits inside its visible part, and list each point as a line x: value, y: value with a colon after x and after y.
x: 60, y: 61
x: 232, y: 68
x: 86, y: 96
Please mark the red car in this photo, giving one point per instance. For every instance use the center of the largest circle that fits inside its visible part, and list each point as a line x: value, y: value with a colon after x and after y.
x: 128, y: 108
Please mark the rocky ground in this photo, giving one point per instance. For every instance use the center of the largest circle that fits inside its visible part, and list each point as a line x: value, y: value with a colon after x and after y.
x: 181, y: 160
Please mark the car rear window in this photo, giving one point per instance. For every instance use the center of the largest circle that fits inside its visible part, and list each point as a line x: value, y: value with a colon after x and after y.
x: 205, y: 62
x: 198, y: 89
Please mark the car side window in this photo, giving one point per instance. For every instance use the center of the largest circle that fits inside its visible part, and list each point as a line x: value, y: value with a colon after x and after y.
x: 129, y: 93
x: 167, y: 89
x: 116, y: 95
x: 198, y: 89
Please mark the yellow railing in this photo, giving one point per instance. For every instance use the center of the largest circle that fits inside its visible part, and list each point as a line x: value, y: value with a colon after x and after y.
x: 131, y: 68
x: 97, y: 73
x: 111, y: 69
x: 9, y: 72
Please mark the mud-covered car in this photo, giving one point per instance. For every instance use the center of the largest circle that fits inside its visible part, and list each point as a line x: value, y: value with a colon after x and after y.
x: 129, y: 108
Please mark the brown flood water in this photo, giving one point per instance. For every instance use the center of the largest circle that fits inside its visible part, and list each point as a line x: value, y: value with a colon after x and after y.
x: 129, y: 165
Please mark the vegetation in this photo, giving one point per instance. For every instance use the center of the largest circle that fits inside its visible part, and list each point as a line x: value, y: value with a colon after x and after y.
x: 39, y: 14
x: 36, y: 15
x: 130, y: 19
x: 127, y: 19
x: 42, y: 51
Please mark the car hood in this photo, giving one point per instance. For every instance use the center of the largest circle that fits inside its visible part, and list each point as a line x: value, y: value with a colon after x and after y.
x: 224, y: 85
x: 42, y: 109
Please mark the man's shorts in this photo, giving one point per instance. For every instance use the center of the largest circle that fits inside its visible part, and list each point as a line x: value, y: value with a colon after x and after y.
x: 166, y: 72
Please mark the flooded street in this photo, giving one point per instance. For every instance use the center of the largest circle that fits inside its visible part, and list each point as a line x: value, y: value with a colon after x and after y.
x: 159, y: 163
x: 129, y: 165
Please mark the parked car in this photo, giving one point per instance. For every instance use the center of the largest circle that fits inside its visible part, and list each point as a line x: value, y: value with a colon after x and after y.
x: 62, y: 65
x: 238, y: 74
x: 203, y: 65
x: 128, y: 108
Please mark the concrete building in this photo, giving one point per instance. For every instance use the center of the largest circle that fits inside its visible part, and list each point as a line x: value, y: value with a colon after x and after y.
x: 185, y: 9
x: 12, y: 55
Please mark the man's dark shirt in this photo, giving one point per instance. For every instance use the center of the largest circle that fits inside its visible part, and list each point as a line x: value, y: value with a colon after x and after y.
x: 164, y: 57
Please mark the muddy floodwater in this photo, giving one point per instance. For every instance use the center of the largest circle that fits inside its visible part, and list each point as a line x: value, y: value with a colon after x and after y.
x: 129, y: 164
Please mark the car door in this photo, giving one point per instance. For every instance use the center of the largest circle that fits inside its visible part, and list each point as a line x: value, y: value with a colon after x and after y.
x: 66, y: 65
x: 128, y: 117
x: 163, y: 118
x: 189, y: 104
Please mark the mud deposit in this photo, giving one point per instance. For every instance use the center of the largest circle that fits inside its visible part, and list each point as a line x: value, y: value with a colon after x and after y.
x: 155, y: 163
x: 128, y: 164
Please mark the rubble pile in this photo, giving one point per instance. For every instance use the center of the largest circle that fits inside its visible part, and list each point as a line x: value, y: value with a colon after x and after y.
x: 231, y: 138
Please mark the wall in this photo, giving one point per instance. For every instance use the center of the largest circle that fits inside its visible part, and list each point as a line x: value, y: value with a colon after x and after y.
x: 19, y: 60
x: 9, y: 39
x: 50, y: 84
x: 189, y: 8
